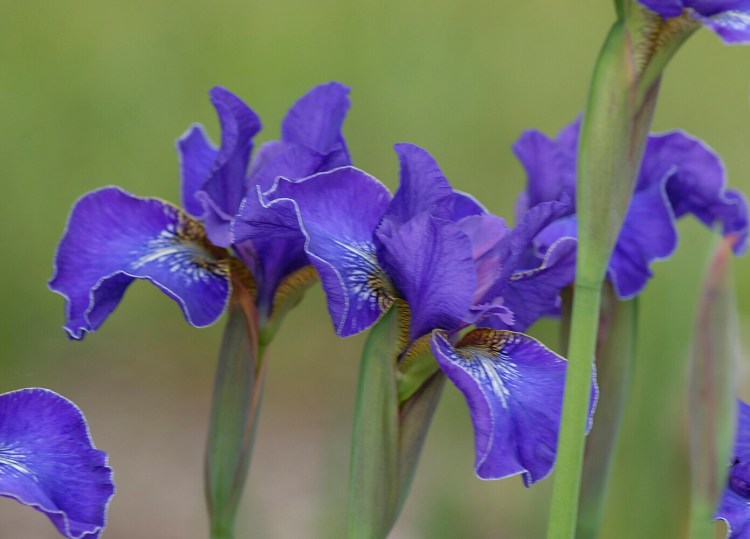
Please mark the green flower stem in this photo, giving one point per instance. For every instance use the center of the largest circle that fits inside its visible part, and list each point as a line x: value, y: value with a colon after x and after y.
x: 712, y: 405
x: 396, y: 399
x: 373, y: 473
x: 238, y: 390
x: 614, y: 362
x: 613, y: 134
x: 562, y: 523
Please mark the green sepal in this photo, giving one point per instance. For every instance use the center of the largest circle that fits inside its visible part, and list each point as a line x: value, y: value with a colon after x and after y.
x: 238, y: 389
x: 712, y: 391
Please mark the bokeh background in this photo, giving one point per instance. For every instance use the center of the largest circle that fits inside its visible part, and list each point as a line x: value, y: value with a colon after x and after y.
x: 96, y: 93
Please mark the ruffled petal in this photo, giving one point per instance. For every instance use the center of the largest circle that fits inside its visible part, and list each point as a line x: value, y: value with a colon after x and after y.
x: 535, y: 293
x: 550, y: 165
x: 422, y: 187
x: 113, y: 237
x: 226, y: 184
x: 48, y: 462
x: 338, y: 212
x: 197, y: 157
x: 315, y: 121
x: 279, y: 158
x: 429, y: 262
x: 734, y: 507
x: 514, y: 386
x: 695, y: 183
x: 648, y: 234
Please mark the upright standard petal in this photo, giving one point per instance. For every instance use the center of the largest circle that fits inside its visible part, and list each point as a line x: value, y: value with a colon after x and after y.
x: 734, y: 507
x: 113, y: 237
x: 429, y: 262
x: 48, y: 462
x: 226, y: 183
x: 422, y: 187
x: 514, y: 386
x: 197, y: 157
x: 338, y: 212
x: 550, y: 165
x: 315, y: 121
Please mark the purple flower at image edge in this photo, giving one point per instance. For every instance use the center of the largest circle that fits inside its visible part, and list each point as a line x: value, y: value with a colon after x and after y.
x: 730, y: 19
x: 456, y: 266
x: 113, y: 237
x: 734, y: 507
x: 679, y: 175
x: 48, y: 462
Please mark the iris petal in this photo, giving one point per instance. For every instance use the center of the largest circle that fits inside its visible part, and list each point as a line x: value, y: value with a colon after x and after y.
x: 114, y: 237
x: 197, y: 156
x: 224, y: 183
x: 422, y: 186
x: 514, y: 387
x: 48, y: 462
x: 429, y: 261
x: 315, y: 121
x: 338, y: 212
x: 734, y: 507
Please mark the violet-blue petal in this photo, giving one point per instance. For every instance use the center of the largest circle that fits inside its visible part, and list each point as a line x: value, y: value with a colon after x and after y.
x: 422, y: 186
x: 550, y: 165
x: 513, y: 386
x: 485, y: 233
x: 695, y: 183
x: 665, y: 8
x: 280, y: 158
x: 226, y: 184
x: 518, y: 245
x: 429, y: 262
x: 734, y: 507
x: 730, y: 19
x: 338, y: 212
x: 197, y: 158
x: 532, y: 294
x: 48, y: 462
x: 315, y: 121
x: 648, y: 234
x: 114, y: 237
x: 465, y: 205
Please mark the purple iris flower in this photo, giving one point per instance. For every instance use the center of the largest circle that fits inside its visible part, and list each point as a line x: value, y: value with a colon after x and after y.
x: 734, y: 507
x: 114, y: 237
x: 679, y: 175
x: 451, y: 261
x: 48, y: 462
x: 728, y: 18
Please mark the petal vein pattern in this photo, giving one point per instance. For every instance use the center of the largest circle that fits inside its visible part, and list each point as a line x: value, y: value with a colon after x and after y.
x: 114, y: 237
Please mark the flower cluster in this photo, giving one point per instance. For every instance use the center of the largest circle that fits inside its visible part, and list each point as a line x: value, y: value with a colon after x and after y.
x: 470, y: 283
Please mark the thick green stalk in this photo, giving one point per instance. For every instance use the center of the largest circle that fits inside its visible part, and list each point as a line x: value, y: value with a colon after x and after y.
x: 712, y: 404
x: 238, y: 389
x: 373, y: 472
x: 614, y: 365
x: 613, y: 134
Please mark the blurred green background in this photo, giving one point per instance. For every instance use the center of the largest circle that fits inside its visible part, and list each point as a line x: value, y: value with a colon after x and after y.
x: 96, y: 93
